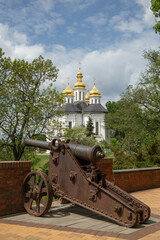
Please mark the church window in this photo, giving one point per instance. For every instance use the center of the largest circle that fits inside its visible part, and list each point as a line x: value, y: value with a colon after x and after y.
x: 83, y: 96
x: 95, y: 100
x: 68, y: 100
x: 96, y: 128
x: 92, y: 101
x: 79, y: 95
x: 72, y: 100
x: 76, y: 96
x: 70, y: 124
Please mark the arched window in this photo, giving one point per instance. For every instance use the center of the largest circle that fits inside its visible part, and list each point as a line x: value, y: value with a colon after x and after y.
x: 80, y: 96
x: 76, y: 96
x: 97, y: 130
x: 70, y: 124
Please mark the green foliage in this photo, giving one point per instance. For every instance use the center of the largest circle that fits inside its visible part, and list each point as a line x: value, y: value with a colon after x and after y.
x: 79, y: 135
x: 5, y: 153
x: 148, y: 157
x: 45, y: 168
x: 155, y: 7
x: 111, y: 106
x: 25, y: 103
x: 122, y: 160
x: 135, y: 118
x: 104, y: 145
x: 114, y: 144
x: 89, y: 127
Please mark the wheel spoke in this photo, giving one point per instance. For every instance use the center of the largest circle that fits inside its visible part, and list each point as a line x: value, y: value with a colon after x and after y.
x: 40, y: 186
x: 37, y: 192
x: 38, y: 206
x: 30, y: 203
x: 33, y: 180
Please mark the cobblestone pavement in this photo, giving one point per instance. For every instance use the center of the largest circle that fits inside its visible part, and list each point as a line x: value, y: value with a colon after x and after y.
x: 72, y: 222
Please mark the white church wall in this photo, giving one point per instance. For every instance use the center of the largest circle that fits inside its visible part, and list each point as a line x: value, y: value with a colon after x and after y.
x: 94, y: 100
x: 100, y: 118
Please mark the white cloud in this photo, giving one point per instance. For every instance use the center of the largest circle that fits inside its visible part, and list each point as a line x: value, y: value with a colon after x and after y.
x: 114, y: 68
x: 148, y: 17
x: 28, y: 52
x: 78, y: 5
x: 96, y: 20
x: 132, y: 25
x: 136, y: 24
x: 16, y: 45
x: 71, y: 30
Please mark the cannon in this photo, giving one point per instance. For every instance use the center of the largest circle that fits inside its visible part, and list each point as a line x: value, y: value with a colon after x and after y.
x: 74, y: 176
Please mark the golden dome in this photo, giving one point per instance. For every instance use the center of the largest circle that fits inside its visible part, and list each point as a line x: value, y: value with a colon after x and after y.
x: 79, y: 83
x: 95, y: 92
x: 87, y: 97
x: 68, y: 91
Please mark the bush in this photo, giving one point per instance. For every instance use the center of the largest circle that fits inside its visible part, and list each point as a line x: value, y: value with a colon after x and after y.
x: 79, y: 135
x: 114, y: 144
x: 149, y: 157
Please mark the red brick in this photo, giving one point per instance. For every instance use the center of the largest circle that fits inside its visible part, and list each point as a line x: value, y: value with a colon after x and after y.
x: 11, y: 178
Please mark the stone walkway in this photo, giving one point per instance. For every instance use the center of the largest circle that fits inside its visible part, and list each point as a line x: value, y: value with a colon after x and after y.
x: 73, y: 222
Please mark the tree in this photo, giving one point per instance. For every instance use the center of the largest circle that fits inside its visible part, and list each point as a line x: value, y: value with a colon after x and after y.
x: 155, y: 7
x: 79, y: 135
x: 89, y: 127
x: 136, y: 118
x: 25, y: 103
x: 111, y: 106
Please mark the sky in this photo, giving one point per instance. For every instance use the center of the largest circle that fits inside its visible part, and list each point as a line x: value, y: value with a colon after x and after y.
x: 106, y: 38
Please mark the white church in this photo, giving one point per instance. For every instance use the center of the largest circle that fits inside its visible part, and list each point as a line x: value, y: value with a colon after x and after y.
x: 80, y: 105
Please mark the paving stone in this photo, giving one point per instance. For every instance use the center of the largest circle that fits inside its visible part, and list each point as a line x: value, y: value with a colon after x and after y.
x: 69, y: 218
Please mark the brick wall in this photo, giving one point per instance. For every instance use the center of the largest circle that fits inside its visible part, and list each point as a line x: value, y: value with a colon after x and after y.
x: 105, y: 165
x: 131, y: 180
x: 11, y: 178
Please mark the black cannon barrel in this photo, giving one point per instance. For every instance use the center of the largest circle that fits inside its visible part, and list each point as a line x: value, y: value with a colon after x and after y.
x: 88, y: 153
x: 37, y: 143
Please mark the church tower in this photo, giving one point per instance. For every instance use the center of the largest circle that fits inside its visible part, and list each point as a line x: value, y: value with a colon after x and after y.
x: 69, y: 94
x: 94, y: 96
x: 79, y: 88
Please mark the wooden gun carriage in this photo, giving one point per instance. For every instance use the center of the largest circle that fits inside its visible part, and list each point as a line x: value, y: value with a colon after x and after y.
x: 74, y: 176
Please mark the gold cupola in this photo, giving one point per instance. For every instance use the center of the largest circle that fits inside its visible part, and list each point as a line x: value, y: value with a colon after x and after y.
x: 68, y: 91
x: 94, y: 92
x: 79, y: 83
x: 87, y: 97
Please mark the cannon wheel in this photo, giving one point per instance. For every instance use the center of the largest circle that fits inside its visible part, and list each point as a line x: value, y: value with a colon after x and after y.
x: 37, y: 193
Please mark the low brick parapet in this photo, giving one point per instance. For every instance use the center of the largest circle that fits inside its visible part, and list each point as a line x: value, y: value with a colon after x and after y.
x: 105, y: 166
x: 12, y: 175
x: 132, y: 180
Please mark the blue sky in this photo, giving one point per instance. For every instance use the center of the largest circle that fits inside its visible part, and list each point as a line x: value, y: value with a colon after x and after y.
x: 106, y: 36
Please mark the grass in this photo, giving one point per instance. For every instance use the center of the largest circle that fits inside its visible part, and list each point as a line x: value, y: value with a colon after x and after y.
x: 39, y: 161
